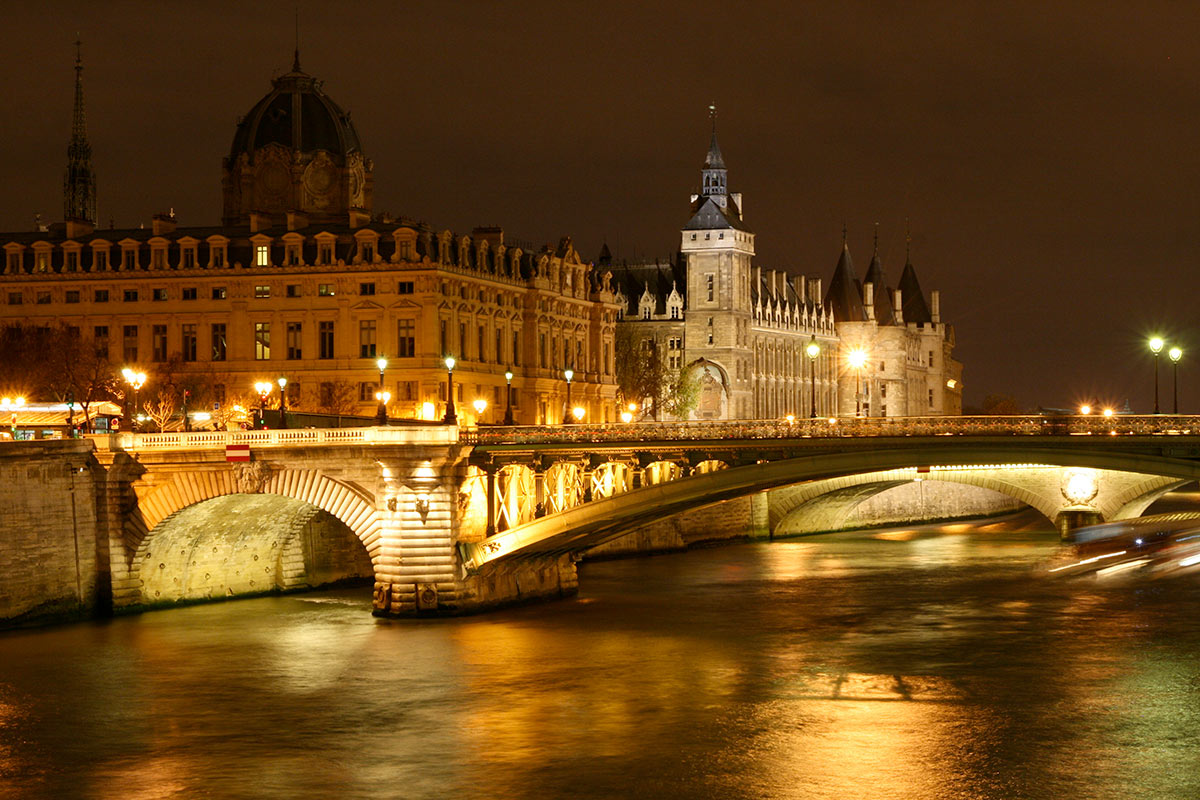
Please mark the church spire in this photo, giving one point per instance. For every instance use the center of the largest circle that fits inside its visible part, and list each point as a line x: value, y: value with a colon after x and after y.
x: 79, y: 183
x: 713, y: 176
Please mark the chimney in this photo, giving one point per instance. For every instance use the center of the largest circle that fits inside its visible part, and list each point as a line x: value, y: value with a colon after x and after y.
x: 259, y: 221
x: 898, y: 307
x: 296, y: 220
x: 869, y: 299
x: 78, y: 228
x: 799, y: 288
x: 162, y: 224
x: 358, y: 218
x: 757, y: 287
x: 814, y: 290
x: 935, y: 297
x: 781, y: 285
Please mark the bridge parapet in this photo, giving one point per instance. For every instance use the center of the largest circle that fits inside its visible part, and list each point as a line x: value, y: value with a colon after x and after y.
x: 837, y: 427
x: 299, y: 437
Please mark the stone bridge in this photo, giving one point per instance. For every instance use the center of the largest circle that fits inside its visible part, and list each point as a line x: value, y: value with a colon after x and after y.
x: 447, y: 521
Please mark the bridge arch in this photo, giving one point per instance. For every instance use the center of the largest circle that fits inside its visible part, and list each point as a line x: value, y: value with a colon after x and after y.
x: 307, y: 500
x: 343, y: 501
x: 594, y: 523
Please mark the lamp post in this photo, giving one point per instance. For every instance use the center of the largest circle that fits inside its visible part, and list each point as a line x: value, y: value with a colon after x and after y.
x: 1156, y: 346
x: 186, y: 425
x: 136, y: 380
x: 568, y: 374
x: 1175, y: 353
x: 812, y: 351
x: 451, y: 418
x: 282, y: 401
x: 381, y: 411
x: 508, y: 417
x: 856, y: 359
x: 264, y: 391
x: 578, y: 412
x: 480, y: 406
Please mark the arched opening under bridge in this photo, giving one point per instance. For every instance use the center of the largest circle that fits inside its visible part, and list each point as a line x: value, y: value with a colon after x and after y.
x: 243, y: 545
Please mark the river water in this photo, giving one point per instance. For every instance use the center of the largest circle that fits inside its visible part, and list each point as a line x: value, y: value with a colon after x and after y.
x: 936, y: 662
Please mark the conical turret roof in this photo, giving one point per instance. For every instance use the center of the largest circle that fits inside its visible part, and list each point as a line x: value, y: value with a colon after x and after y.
x: 844, y: 296
x: 911, y: 297
x: 883, y: 295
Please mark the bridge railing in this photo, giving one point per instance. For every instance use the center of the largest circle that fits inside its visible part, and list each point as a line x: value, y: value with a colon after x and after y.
x: 201, y: 440
x: 1032, y: 425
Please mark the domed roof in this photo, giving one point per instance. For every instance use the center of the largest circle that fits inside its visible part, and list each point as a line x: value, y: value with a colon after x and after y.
x: 299, y: 116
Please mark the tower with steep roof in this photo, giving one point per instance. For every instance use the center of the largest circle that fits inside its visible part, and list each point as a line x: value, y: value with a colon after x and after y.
x: 79, y: 182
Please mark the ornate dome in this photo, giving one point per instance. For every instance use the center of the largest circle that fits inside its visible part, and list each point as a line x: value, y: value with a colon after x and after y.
x: 299, y: 116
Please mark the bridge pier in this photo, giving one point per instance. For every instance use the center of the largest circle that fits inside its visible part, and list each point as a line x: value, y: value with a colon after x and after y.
x: 1071, y: 519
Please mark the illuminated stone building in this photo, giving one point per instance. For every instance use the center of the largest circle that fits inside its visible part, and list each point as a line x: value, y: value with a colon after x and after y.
x: 301, y: 280
x: 747, y: 332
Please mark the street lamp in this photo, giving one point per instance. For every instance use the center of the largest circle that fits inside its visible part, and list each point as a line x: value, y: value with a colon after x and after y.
x: 451, y: 418
x: 1156, y: 346
x: 568, y: 374
x: 578, y: 412
x: 626, y: 416
x: 480, y: 406
x: 8, y: 404
x: 1085, y: 409
x: 813, y: 350
x: 1175, y: 353
x: 508, y: 417
x: 137, y: 380
x: 264, y: 391
x: 857, y: 358
x: 282, y: 401
x: 381, y: 411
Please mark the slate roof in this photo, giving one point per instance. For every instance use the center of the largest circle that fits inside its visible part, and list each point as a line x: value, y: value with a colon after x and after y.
x: 912, y: 298
x: 633, y: 279
x: 884, y: 314
x: 707, y: 215
x: 844, y: 296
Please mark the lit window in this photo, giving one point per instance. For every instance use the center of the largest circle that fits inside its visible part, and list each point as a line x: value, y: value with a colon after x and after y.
x: 325, y: 290
x: 262, y: 291
x: 262, y: 255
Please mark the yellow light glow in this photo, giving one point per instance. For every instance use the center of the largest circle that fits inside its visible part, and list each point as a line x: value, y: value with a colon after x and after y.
x: 1085, y: 409
x: 450, y: 362
x: 381, y: 363
x: 632, y: 407
x: 263, y: 388
x: 1108, y: 412
x: 1175, y: 353
x: 480, y: 405
x: 578, y: 413
x: 856, y: 357
x: 626, y: 416
x: 385, y: 397
x: 791, y: 418
x: 428, y: 411
x: 813, y: 350
x: 1156, y: 345
x: 950, y: 384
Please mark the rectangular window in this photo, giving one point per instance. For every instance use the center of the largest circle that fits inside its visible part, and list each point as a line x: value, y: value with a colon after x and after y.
x: 262, y: 291
x: 262, y: 255
x: 72, y: 261
x: 187, y: 342
x: 218, y: 293
x: 404, y: 287
x: 931, y: 358
x: 72, y: 295
x: 262, y: 341
x: 14, y: 263
x: 406, y: 338
x: 325, y: 290
x: 189, y: 258
x: 158, y: 342
x: 188, y: 293
x: 158, y: 258
x: 130, y: 295
x: 129, y: 350
x: 710, y: 330
x: 499, y: 346
x: 218, y: 256
x: 366, y: 289
x: 366, y: 392
x: 293, y: 341
x: 219, y: 348
x: 15, y: 298
x: 542, y: 350
x: 480, y: 336
x: 293, y: 290
x: 516, y: 349
x: 218, y: 392
x: 128, y: 259
x: 366, y: 338
x: 462, y: 339
x: 931, y: 398
x: 708, y: 287
x: 324, y: 340
x: 100, y: 261
x: 100, y: 340
x: 159, y: 294
x: 368, y: 252
x: 445, y: 335
x: 101, y: 296
x: 406, y: 390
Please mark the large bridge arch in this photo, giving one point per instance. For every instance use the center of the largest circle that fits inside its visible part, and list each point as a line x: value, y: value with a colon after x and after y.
x: 594, y: 523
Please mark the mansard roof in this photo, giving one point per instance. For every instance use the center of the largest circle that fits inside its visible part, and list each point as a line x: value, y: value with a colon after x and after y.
x: 708, y: 215
x: 912, y: 299
x: 633, y: 279
x: 884, y: 313
x: 844, y: 297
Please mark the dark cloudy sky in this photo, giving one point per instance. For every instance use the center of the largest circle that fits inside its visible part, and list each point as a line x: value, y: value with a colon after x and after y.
x: 1048, y: 157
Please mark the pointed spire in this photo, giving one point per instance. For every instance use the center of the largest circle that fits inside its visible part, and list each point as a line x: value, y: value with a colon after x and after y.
x: 844, y: 296
x: 882, y: 294
x: 875, y: 254
x: 296, y: 55
x: 79, y: 182
x: 907, y: 242
x: 714, y: 159
x: 912, y: 299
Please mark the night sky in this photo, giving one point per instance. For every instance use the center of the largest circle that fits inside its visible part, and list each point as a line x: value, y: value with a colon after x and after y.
x: 1048, y: 158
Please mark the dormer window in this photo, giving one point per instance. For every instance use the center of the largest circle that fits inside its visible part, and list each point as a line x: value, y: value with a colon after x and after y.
x: 325, y: 254
x: 188, y: 257
x: 646, y: 310
x: 262, y: 255
x: 158, y: 258
x: 367, y: 250
x: 129, y: 259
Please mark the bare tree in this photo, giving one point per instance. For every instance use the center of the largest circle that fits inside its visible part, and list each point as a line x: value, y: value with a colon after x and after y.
x: 161, y: 410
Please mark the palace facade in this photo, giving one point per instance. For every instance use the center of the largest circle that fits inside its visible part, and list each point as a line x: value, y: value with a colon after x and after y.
x: 300, y: 280
x: 770, y: 343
